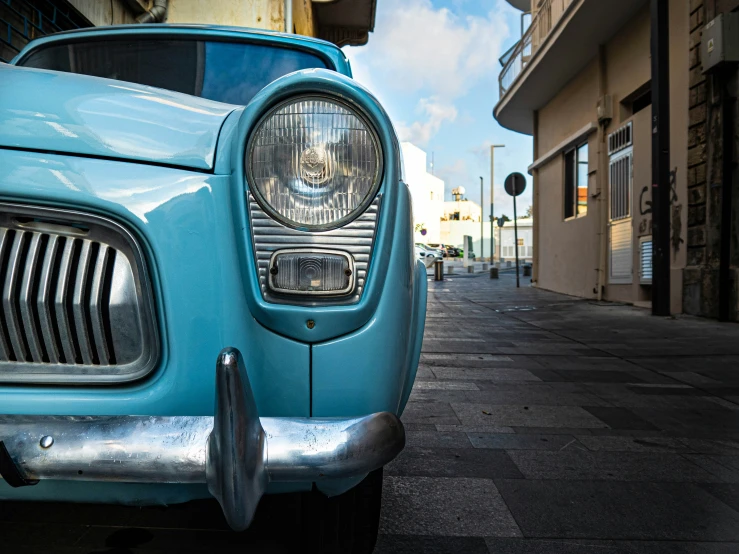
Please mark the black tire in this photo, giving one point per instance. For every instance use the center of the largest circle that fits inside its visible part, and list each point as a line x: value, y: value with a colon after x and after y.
x: 344, y: 524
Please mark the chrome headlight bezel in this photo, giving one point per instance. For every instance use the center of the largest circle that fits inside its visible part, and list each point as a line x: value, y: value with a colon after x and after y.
x: 355, y: 110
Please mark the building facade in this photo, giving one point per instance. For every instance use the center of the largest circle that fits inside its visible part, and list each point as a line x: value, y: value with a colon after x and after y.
x: 343, y: 22
x: 580, y: 81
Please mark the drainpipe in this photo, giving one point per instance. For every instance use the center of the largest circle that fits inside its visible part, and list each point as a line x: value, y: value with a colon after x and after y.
x: 288, y: 16
x: 155, y: 14
x: 602, y: 178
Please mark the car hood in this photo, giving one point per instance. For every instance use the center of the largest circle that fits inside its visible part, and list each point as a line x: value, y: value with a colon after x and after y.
x: 59, y: 112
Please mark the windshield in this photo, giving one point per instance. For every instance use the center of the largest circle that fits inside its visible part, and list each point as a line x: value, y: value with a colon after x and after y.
x: 231, y: 72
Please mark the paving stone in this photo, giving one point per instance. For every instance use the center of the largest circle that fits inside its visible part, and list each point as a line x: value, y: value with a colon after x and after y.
x: 520, y: 442
x: 620, y: 418
x: 436, y: 439
x: 555, y: 546
x: 445, y: 507
x: 633, y: 444
x: 410, y: 544
x: 576, y: 463
x: 429, y: 412
x: 453, y: 462
x: 542, y: 394
x: 728, y: 493
x: 492, y: 374
x: 630, y: 511
x: 680, y: 547
x: 597, y: 376
x: 444, y: 385
x: 522, y: 416
x: 711, y: 446
x: 474, y: 429
x: 716, y: 466
x: 718, y: 423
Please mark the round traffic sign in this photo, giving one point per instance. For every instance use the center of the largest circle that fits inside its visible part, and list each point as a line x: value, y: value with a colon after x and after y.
x: 501, y: 222
x: 515, y: 184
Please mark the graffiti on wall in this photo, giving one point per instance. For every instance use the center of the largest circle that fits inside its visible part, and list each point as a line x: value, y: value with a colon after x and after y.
x: 676, y: 211
x: 676, y: 225
x: 645, y: 210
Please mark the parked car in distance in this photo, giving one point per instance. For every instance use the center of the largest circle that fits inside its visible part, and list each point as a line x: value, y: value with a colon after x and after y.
x: 426, y: 257
x: 447, y: 250
x: 435, y: 251
x: 206, y: 241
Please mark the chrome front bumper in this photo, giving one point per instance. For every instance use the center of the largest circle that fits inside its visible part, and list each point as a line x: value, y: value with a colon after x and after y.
x: 235, y: 452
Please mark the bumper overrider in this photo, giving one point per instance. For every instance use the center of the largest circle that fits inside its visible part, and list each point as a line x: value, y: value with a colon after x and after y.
x: 235, y: 452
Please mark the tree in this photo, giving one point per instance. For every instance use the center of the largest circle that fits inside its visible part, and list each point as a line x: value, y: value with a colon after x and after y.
x: 529, y: 212
x: 505, y: 218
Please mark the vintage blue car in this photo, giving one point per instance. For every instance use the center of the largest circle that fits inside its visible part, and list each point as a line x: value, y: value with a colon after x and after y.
x: 207, y: 274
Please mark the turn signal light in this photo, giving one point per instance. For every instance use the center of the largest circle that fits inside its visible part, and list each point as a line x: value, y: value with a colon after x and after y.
x: 311, y: 272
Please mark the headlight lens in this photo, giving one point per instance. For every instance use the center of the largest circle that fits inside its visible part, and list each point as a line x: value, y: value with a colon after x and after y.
x: 314, y: 163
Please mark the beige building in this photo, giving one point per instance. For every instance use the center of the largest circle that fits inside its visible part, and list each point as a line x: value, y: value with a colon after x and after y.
x: 343, y: 22
x: 462, y: 210
x: 579, y: 81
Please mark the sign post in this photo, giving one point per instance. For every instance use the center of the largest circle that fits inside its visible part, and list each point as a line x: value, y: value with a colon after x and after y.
x: 515, y: 184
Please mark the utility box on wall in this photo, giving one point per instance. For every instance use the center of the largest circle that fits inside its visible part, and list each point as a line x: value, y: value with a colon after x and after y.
x: 720, y: 42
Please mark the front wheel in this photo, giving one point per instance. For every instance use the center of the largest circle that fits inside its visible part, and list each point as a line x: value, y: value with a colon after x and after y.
x: 343, y: 524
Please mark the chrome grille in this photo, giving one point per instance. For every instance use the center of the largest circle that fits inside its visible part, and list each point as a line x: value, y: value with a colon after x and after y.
x: 356, y: 238
x: 76, y: 306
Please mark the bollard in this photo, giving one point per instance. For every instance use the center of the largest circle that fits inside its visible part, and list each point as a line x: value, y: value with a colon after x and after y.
x: 471, y: 269
x: 485, y: 267
x: 493, y: 272
x: 439, y: 270
x: 450, y: 270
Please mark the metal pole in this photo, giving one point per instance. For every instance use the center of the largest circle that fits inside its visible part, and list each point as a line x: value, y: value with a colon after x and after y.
x: 515, y: 240
x: 492, y: 234
x: 289, y: 16
x: 724, y: 272
x: 482, y: 241
x: 492, y: 196
x: 660, y: 157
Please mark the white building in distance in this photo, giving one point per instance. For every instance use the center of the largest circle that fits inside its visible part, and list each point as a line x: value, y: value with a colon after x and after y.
x: 427, y: 194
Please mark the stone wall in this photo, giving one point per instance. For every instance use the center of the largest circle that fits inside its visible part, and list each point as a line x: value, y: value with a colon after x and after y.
x: 705, y: 157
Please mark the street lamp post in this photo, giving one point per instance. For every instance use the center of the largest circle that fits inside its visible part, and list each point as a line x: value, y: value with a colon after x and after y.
x: 492, y: 199
x: 482, y: 238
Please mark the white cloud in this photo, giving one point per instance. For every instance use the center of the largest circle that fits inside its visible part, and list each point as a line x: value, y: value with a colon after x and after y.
x: 435, y: 113
x: 432, y: 54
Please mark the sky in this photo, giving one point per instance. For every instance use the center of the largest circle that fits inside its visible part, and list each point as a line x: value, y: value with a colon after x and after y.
x: 433, y: 64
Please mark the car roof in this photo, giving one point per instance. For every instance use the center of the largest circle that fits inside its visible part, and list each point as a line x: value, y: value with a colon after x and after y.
x: 322, y: 48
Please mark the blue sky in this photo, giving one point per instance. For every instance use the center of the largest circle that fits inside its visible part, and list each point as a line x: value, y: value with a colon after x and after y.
x: 434, y: 66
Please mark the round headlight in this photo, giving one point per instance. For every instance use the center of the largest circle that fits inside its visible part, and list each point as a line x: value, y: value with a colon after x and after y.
x: 314, y: 163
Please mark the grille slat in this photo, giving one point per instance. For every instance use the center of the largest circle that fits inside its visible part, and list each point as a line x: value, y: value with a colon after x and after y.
x: 75, y: 300
x: 356, y: 238
x: 79, y: 308
x: 96, y: 304
x: 43, y: 305
x: 26, y: 299
x: 60, y: 302
x: 5, y: 351
x: 10, y: 292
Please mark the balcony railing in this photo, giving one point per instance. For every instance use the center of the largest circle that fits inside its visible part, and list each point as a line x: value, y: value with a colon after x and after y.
x: 516, y: 60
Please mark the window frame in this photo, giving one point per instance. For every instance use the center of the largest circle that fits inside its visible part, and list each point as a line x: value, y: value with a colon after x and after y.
x: 571, y: 180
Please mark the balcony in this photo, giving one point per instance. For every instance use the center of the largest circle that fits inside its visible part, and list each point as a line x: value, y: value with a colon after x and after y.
x: 562, y: 39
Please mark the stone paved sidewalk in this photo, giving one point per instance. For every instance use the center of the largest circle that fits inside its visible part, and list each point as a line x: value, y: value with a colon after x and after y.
x: 539, y: 423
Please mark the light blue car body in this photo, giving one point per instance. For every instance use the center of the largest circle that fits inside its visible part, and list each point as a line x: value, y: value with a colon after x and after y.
x: 170, y: 167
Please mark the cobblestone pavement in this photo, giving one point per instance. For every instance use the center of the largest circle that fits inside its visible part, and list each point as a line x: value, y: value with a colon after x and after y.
x: 539, y: 423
